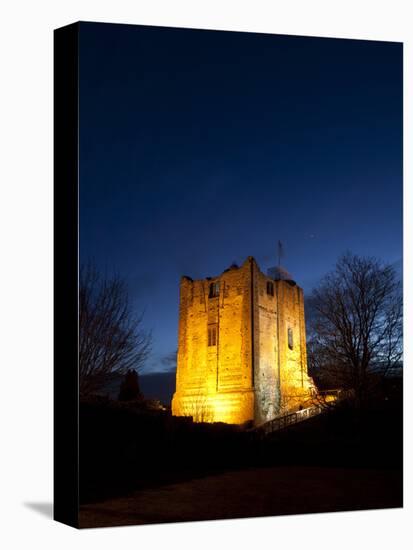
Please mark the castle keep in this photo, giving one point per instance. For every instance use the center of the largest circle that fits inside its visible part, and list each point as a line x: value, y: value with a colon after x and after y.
x: 241, y: 347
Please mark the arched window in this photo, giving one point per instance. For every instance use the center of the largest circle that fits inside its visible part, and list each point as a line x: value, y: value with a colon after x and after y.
x: 290, y: 338
x: 212, y: 335
x: 214, y: 290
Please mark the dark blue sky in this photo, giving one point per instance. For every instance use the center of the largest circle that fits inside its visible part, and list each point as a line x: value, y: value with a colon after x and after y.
x: 200, y: 148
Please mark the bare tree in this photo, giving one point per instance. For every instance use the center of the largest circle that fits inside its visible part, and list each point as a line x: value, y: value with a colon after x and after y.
x: 111, y: 338
x: 356, y: 324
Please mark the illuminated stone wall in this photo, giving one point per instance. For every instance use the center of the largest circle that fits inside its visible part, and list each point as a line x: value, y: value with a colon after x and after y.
x: 246, y: 373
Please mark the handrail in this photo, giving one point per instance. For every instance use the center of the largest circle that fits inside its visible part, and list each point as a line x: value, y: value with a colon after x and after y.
x: 280, y: 422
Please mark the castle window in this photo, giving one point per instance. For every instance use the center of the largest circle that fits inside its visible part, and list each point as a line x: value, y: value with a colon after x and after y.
x: 290, y: 338
x: 214, y: 290
x: 270, y: 288
x: 212, y: 335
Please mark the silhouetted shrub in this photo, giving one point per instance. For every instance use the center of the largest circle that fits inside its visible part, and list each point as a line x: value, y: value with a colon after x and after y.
x: 129, y: 388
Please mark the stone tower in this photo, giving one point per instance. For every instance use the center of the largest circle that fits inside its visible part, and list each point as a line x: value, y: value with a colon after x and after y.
x: 241, y: 348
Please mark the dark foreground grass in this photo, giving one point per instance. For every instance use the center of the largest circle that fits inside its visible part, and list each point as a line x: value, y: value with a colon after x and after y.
x: 139, y: 467
x: 270, y: 491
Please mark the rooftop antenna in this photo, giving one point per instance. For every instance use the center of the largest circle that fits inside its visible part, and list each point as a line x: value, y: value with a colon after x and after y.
x: 277, y: 272
x: 280, y: 253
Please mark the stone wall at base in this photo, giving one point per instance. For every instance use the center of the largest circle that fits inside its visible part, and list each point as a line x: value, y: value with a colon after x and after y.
x: 229, y: 407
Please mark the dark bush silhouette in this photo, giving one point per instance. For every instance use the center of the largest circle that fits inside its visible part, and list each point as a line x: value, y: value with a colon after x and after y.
x: 129, y: 388
x: 125, y: 446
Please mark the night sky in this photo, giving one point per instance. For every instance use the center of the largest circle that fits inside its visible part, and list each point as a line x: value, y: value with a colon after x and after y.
x: 200, y: 148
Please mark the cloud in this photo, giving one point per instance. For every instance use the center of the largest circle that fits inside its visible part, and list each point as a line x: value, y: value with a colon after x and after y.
x: 168, y: 361
x: 161, y: 364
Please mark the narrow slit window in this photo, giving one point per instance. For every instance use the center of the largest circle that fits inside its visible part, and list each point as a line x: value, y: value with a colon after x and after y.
x: 270, y: 288
x: 214, y: 290
x: 290, y: 338
x: 212, y: 335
